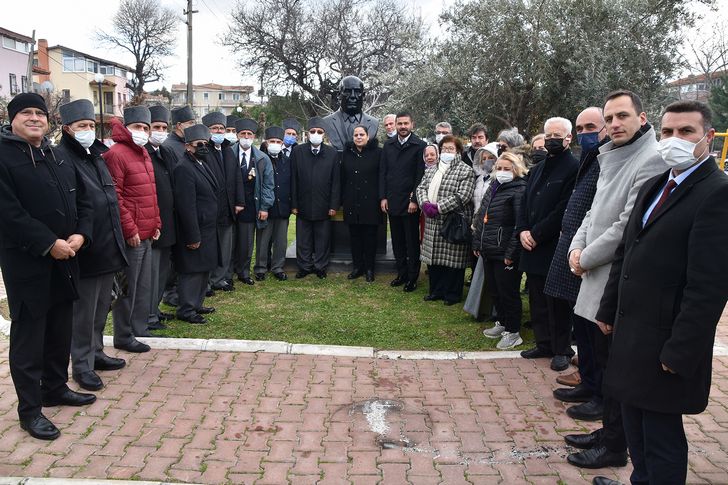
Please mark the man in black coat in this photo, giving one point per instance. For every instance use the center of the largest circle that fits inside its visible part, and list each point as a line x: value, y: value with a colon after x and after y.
x: 666, y: 291
x: 230, y: 197
x: 315, y: 196
x: 162, y: 160
x: 101, y: 260
x: 400, y: 173
x: 195, y: 196
x: 45, y: 219
x: 182, y: 118
x: 478, y: 134
x: 548, y: 190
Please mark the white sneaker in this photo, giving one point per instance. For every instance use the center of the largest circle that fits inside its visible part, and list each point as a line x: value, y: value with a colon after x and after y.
x: 509, y: 340
x: 494, y: 332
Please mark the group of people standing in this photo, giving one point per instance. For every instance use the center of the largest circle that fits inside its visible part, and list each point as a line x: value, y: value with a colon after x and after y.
x: 622, y: 249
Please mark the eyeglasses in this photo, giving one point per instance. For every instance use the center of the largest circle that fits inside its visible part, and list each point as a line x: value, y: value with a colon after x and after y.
x: 316, y: 131
x: 199, y: 145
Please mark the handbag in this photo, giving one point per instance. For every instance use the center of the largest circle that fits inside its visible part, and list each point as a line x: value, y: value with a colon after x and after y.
x: 456, y: 228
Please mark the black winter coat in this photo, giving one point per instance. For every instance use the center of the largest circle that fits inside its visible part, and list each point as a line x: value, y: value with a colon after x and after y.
x: 497, y: 239
x: 42, y: 198
x: 195, y: 196
x: 281, y: 208
x: 360, y: 183
x: 547, y: 193
x: 164, y: 181
x: 400, y: 172
x: 107, y: 253
x: 666, y: 292
x: 224, y: 166
x: 316, y: 181
x: 175, y: 145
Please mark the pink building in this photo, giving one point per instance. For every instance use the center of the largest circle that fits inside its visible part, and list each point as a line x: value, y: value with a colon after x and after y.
x: 14, y: 51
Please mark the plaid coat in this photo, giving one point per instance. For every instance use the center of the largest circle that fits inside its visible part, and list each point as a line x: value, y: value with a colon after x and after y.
x: 456, y: 189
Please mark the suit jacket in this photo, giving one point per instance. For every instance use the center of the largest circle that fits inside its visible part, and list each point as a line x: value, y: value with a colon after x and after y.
x: 666, y: 292
x: 230, y: 182
x: 315, y: 181
x: 263, y: 193
x: 340, y: 131
x: 400, y: 172
x: 161, y: 161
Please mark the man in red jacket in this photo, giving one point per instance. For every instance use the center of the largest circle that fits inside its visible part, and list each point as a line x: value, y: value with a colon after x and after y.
x: 133, y: 173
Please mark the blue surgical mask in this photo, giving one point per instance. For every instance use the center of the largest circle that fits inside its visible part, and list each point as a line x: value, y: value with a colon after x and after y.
x: 588, y: 141
x: 289, y: 140
x: 217, y: 138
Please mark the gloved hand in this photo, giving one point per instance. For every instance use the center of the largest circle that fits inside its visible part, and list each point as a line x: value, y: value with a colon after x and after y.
x: 431, y: 210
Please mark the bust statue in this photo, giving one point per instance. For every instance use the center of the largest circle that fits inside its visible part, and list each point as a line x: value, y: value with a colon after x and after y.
x: 342, y: 122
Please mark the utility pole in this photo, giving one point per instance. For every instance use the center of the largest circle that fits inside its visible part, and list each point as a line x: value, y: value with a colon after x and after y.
x: 29, y: 76
x: 189, y: 12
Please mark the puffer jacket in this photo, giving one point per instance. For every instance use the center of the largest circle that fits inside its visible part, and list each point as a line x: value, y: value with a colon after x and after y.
x: 133, y: 173
x: 497, y: 239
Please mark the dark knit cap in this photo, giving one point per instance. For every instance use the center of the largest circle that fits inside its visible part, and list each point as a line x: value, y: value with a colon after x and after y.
x: 137, y: 114
x: 180, y: 115
x: 231, y: 121
x: 81, y: 109
x: 159, y: 114
x: 317, y: 122
x: 214, y: 118
x: 246, y: 124
x: 291, y: 124
x: 26, y: 100
x: 274, y: 132
x: 197, y: 132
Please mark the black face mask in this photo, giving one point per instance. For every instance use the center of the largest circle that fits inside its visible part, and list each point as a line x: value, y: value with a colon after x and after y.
x: 555, y: 146
x: 201, y: 151
x: 539, y: 156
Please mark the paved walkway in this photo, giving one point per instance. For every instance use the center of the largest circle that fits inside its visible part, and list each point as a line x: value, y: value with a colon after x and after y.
x: 270, y: 418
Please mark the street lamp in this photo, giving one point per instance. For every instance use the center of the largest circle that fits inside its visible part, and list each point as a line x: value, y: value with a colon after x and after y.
x: 99, y: 78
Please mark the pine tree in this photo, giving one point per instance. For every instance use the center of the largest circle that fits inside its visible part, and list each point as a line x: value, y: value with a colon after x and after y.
x: 719, y: 104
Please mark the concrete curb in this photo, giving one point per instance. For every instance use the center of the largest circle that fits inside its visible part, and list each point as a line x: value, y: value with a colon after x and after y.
x: 73, y: 481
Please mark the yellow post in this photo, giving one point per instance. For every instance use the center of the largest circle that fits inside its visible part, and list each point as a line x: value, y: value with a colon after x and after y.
x: 721, y: 161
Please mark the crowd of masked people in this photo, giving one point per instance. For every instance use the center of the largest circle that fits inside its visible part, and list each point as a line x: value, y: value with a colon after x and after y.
x: 624, y: 249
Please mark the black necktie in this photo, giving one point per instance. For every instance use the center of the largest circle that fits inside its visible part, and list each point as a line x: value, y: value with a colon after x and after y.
x: 244, y: 161
x: 315, y: 152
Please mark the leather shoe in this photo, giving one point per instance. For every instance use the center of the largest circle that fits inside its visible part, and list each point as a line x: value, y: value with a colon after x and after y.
x: 584, y: 441
x: 355, y: 274
x: 134, y: 346
x: 247, y: 280
x: 598, y: 457
x: 259, y: 276
x: 588, y: 411
x: 206, y: 310
x: 156, y: 326
x: 535, y: 353
x: 104, y: 362
x: 369, y: 276
x: 302, y: 273
x: 321, y: 274
x: 605, y: 481
x: 40, y: 427
x: 430, y: 297
x: 194, y: 318
x: 573, y: 394
x: 573, y: 379
x: 280, y: 276
x: 451, y: 302
x: 410, y: 286
x: 89, y: 380
x: 68, y: 398
x: 165, y: 316
x: 559, y: 363
x: 229, y: 286
x: 210, y: 293
x: 398, y: 281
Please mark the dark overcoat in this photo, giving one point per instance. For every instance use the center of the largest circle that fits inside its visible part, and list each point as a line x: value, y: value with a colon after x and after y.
x: 281, y: 208
x: 400, y: 172
x: 316, y: 181
x: 360, y: 184
x: 164, y: 182
x: 666, y: 292
x: 230, y: 182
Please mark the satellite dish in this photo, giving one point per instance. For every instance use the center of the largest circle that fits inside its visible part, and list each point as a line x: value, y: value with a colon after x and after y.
x: 46, y: 86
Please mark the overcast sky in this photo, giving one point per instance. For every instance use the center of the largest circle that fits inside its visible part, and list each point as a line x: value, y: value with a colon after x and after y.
x: 73, y: 24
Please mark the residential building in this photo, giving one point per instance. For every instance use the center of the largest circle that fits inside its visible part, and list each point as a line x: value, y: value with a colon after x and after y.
x: 14, y: 51
x: 211, y: 97
x: 696, y: 87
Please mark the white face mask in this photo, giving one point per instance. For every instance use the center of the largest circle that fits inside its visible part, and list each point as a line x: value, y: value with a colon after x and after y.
x: 85, y: 138
x: 139, y: 137
x: 231, y: 137
x: 316, y: 138
x: 274, y: 148
x: 246, y: 142
x: 158, y: 137
x: 390, y: 134
x: 503, y: 176
x: 439, y: 137
x: 446, y: 158
x: 679, y: 153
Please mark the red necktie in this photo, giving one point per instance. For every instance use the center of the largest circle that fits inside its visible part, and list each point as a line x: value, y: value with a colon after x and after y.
x: 665, y: 193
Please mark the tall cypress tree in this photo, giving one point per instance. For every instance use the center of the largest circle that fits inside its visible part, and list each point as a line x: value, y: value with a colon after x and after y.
x: 719, y: 104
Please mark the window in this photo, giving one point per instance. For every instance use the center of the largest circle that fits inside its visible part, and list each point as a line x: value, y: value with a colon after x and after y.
x: 73, y: 62
x: 66, y: 95
x: 8, y: 42
x: 206, y: 96
x: 13, y: 85
x: 221, y: 96
x: 24, y: 84
x: 236, y: 96
x: 92, y: 66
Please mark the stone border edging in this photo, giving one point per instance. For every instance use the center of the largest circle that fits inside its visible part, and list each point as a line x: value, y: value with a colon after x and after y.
x: 74, y: 481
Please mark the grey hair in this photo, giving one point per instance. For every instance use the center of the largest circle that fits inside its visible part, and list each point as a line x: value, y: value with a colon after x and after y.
x: 511, y: 137
x: 557, y: 119
x: 390, y: 115
x: 444, y: 124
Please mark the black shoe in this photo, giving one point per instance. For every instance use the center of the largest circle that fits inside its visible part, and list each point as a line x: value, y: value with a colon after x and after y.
x: 398, y: 281
x: 69, y: 398
x: 248, y: 280
x: 206, y: 310
x: 599, y: 457
x: 321, y: 274
x: 536, y: 353
x: 430, y: 297
x: 302, y: 273
x: 451, y: 302
x: 410, y: 286
x: 527, y: 324
x: 209, y: 293
x: 584, y: 441
x: 588, y: 411
x: 580, y: 393
x: 560, y: 362
x: 165, y: 316
x: 171, y: 302
x: 194, y: 318
x: 280, y: 276
x: 89, y: 380
x: 156, y: 326
x: 355, y: 274
x: 104, y: 362
x: 134, y: 346
x: 41, y: 428
x: 605, y: 481
x: 229, y: 286
x: 259, y: 276
x: 369, y: 276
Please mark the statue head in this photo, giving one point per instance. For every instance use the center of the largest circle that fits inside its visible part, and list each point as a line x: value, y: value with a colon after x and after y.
x: 351, y: 95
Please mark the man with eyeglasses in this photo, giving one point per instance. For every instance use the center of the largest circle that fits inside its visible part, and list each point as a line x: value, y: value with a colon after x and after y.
x: 46, y: 218
x: 442, y: 129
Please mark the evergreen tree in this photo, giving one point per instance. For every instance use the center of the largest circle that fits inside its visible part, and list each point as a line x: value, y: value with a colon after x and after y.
x: 719, y: 104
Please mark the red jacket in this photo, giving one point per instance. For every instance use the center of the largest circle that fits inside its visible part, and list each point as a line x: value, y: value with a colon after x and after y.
x: 133, y: 173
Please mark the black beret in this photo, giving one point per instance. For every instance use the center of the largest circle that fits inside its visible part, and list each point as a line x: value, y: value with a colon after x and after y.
x: 214, y: 118
x: 291, y: 124
x: 137, y: 114
x: 159, y: 114
x: 81, y: 109
x: 317, y: 122
x: 246, y: 124
x: 197, y: 132
x: 180, y: 115
x: 274, y: 132
x: 231, y: 121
